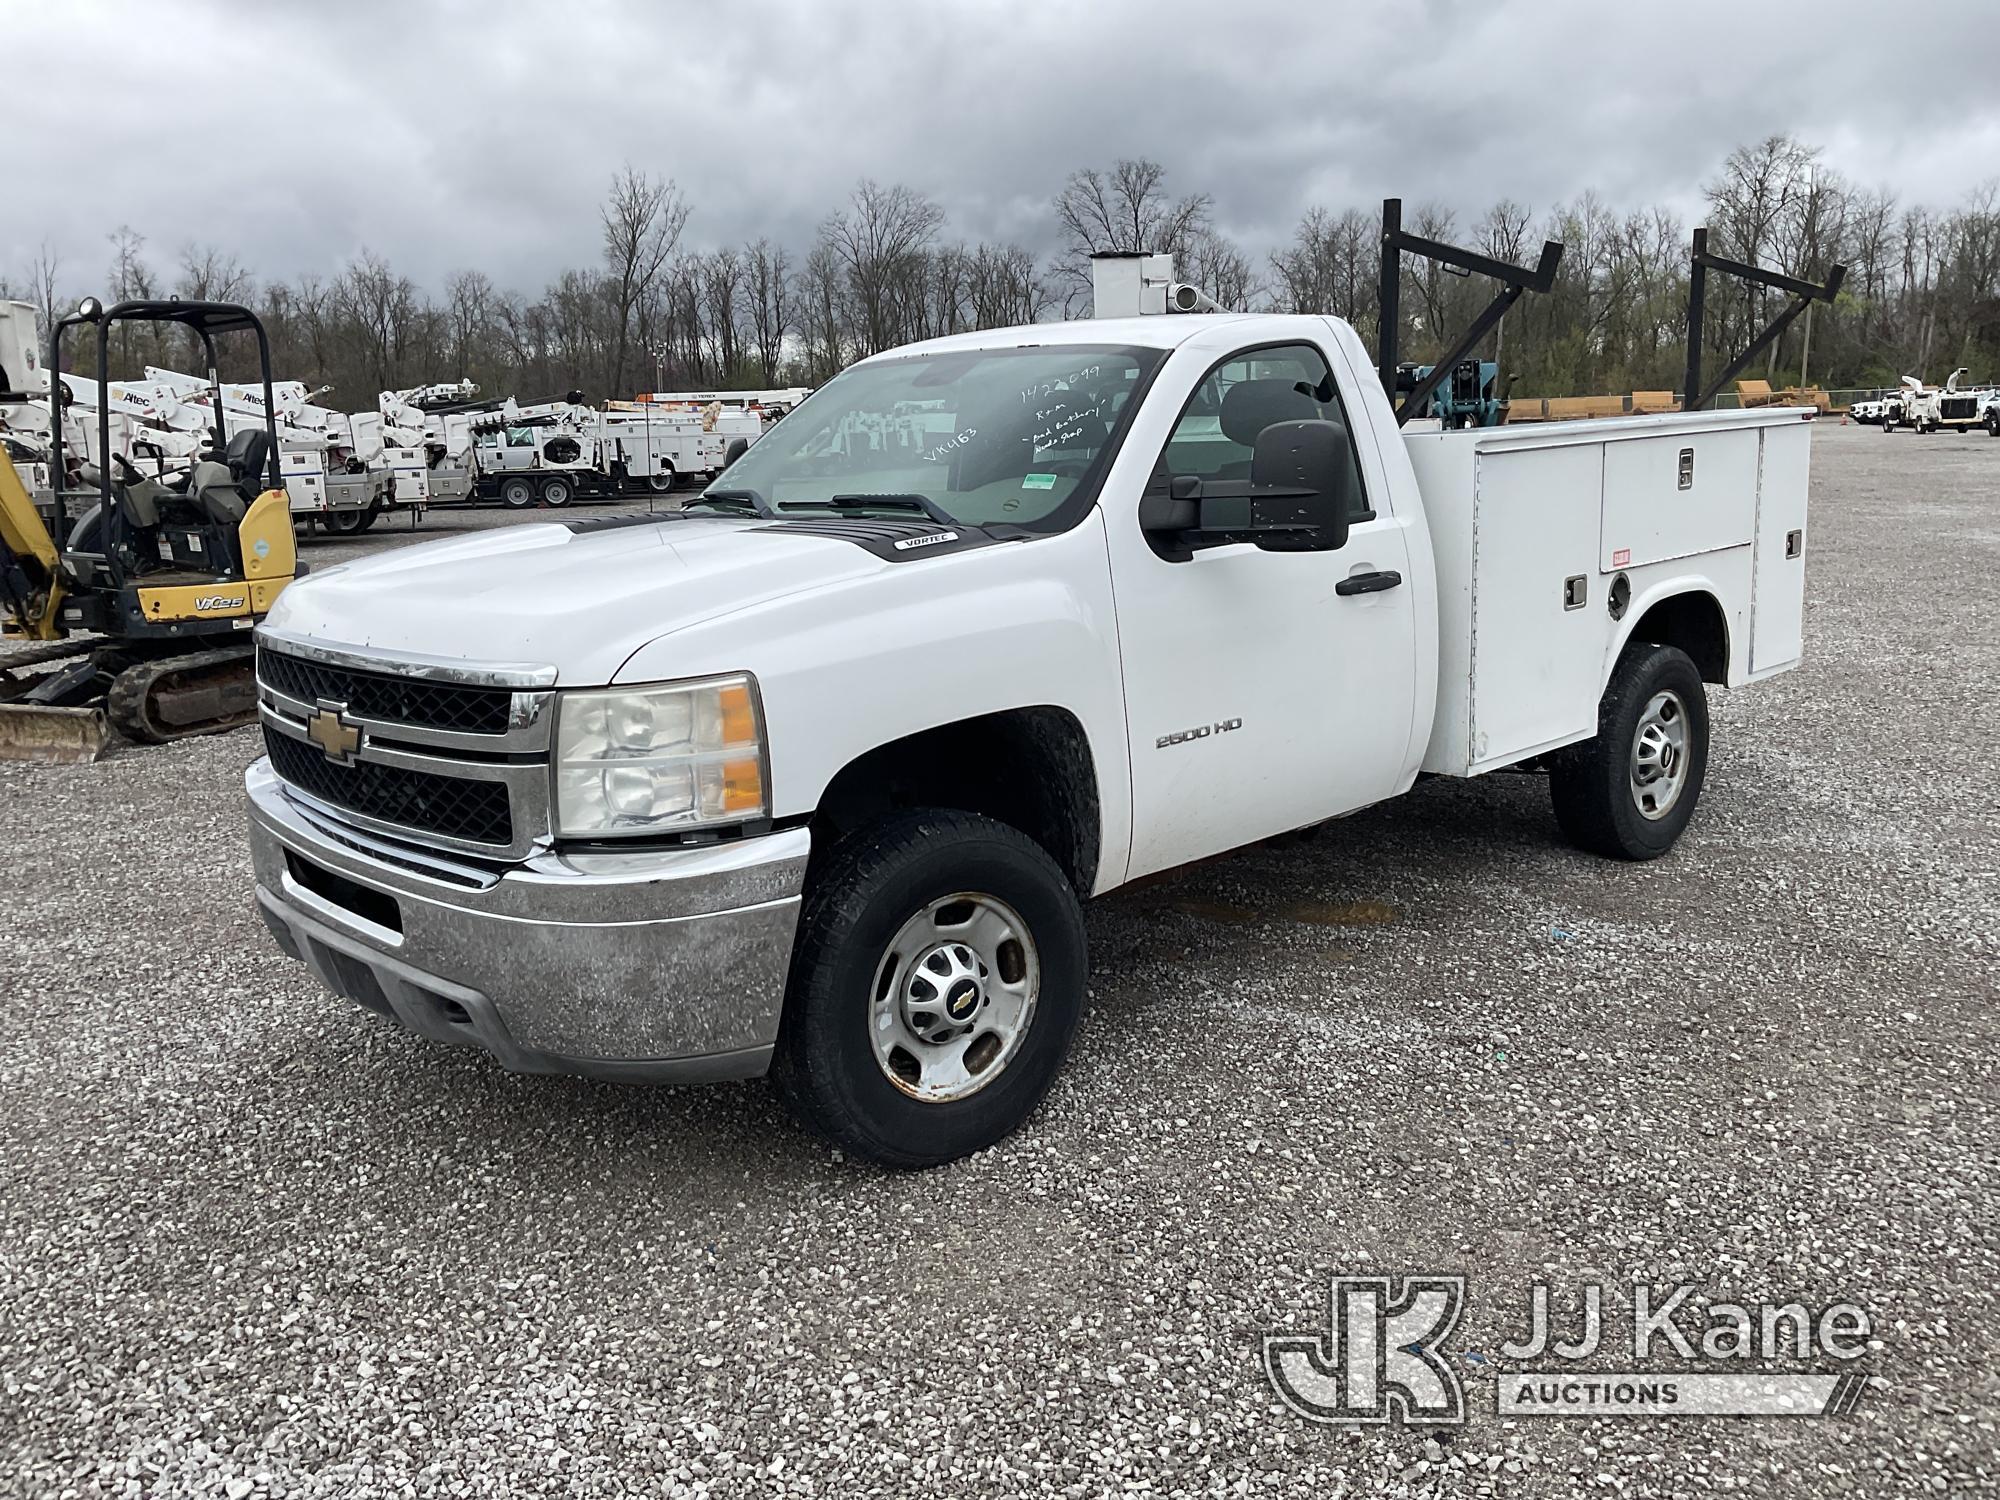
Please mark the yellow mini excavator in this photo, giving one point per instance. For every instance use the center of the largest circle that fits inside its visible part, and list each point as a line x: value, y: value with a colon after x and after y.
x: 133, y: 612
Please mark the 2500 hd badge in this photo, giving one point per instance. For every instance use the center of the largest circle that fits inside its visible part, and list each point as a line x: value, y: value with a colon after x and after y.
x: 1200, y: 732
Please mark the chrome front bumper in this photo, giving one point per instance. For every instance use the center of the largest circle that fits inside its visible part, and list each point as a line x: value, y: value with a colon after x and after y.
x: 651, y: 965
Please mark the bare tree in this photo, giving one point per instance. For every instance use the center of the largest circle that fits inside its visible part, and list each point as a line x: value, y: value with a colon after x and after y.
x: 880, y: 242
x: 209, y: 274
x: 826, y: 313
x: 770, y: 292
x: 1329, y: 267
x: 643, y: 220
x: 722, y: 285
x: 469, y: 302
x: 132, y: 280
x: 381, y: 308
x: 49, y: 304
x: 1129, y: 210
x: 1220, y: 269
x: 1005, y: 287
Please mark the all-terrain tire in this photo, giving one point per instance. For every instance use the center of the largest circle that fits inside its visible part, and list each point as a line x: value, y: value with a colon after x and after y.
x: 857, y: 905
x: 1601, y: 800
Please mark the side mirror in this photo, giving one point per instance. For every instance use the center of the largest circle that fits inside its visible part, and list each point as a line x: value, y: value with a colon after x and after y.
x: 1300, y: 475
x: 736, y: 449
x: 1296, y: 499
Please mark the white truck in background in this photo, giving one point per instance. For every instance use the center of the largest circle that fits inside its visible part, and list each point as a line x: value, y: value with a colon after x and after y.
x: 556, y: 452
x: 340, y: 472
x: 813, y: 776
x: 1960, y: 405
x: 769, y: 404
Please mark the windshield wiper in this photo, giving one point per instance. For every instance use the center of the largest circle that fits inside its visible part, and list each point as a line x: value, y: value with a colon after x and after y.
x: 732, y: 499
x: 923, y: 504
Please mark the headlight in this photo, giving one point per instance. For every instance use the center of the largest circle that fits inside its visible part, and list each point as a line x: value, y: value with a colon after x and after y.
x: 652, y: 759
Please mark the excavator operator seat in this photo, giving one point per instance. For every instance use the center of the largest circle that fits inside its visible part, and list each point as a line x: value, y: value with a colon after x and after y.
x: 214, y: 489
x: 224, y: 490
x: 248, y: 452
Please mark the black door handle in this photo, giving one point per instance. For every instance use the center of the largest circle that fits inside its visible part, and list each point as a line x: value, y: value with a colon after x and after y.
x: 1368, y: 583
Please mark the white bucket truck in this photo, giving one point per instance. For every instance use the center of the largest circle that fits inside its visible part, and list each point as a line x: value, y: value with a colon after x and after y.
x: 814, y: 776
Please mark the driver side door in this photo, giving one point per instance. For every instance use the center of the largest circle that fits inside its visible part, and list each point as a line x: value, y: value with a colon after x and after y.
x: 1260, y: 694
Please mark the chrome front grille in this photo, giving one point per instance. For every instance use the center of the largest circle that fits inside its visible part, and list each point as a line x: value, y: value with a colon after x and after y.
x: 446, y: 754
x: 456, y: 807
x: 419, y: 701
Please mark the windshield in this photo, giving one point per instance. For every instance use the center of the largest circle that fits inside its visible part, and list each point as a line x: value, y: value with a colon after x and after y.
x: 977, y: 437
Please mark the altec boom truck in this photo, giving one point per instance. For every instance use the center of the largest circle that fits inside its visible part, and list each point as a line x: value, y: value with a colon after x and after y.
x: 814, y: 776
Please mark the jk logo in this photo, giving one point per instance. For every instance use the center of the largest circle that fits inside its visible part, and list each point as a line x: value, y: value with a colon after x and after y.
x: 1380, y: 1355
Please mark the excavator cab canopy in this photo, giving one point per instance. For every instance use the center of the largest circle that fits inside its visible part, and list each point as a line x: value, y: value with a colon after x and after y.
x: 208, y: 321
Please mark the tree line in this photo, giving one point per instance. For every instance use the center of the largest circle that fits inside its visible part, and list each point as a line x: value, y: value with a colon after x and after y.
x: 657, y: 311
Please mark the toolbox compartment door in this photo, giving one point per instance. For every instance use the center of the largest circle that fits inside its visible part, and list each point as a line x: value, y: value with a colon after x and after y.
x: 1778, y: 587
x: 1676, y: 495
x: 1535, y: 662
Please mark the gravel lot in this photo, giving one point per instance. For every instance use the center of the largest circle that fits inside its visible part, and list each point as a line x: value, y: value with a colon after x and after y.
x: 254, y: 1241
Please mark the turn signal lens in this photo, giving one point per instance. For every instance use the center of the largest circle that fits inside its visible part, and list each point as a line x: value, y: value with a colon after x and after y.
x: 739, y: 715
x: 743, y: 786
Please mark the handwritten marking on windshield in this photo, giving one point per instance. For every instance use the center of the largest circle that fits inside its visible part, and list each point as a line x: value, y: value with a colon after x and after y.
x: 944, y: 450
x: 1065, y: 424
x: 1060, y: 382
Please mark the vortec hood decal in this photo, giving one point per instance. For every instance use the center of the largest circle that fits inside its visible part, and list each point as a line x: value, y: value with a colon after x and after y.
x: 892, y: 541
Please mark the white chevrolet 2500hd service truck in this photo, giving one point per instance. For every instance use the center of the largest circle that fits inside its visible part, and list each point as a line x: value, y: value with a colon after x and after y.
x: 813, y: 776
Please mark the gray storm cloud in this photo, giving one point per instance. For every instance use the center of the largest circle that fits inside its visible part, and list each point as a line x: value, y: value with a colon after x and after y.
x: 454, y: 135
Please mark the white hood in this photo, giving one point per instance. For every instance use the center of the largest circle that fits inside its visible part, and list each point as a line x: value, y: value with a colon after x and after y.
x: 581, y: 602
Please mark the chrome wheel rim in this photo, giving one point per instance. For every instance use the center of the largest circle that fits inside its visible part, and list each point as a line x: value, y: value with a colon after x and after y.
x: 954, y: 997
x: 1660, y: 756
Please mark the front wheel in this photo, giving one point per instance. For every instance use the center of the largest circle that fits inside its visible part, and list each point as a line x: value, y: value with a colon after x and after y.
x: 1629, y: 792
x: 937, y: 980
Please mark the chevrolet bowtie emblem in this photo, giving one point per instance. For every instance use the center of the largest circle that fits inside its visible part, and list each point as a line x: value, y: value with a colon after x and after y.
x: 330, y: 730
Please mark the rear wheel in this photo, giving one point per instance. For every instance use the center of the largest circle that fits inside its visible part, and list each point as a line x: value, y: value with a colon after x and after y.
x: 516, y: 494
x: 662, y: 482
x: 347, y: 522
x: 557, y: 491
x: 1629, y: 792
x: 936, y: 983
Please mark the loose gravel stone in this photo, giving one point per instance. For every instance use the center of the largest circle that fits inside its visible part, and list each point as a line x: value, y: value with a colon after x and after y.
x: 256, y: 1242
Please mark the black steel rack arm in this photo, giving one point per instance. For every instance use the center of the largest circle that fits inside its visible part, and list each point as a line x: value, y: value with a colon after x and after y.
x: 1695, y: 395
x: 1515, y: 280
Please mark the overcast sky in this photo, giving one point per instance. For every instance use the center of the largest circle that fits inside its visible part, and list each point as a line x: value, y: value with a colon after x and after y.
x: 447, y: 135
